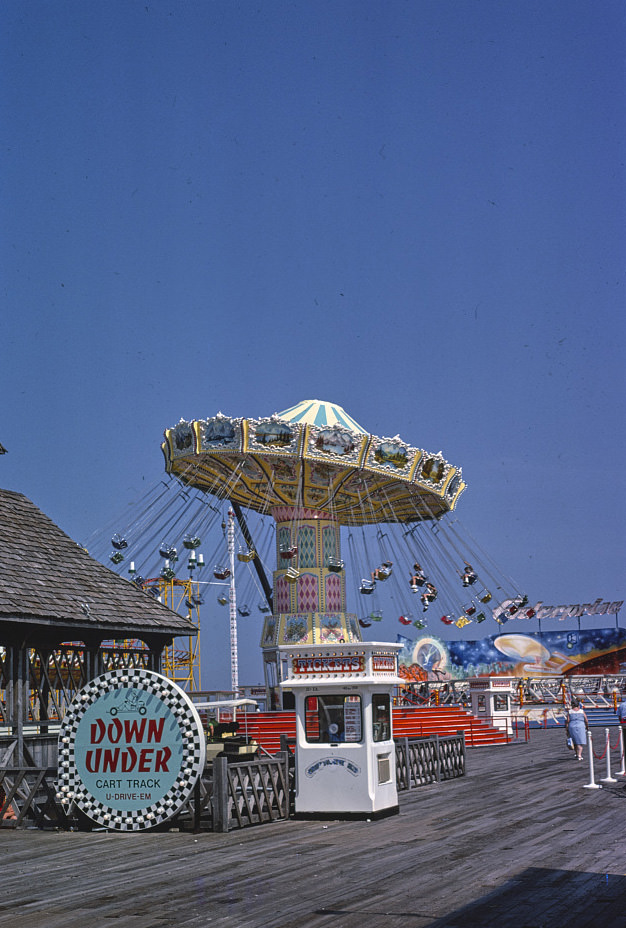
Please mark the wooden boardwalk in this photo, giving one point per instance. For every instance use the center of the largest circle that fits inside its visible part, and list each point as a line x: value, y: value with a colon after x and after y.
x: 516, y: 843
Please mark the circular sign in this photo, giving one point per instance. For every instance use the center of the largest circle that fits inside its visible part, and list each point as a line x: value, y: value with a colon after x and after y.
x: 131, y: 749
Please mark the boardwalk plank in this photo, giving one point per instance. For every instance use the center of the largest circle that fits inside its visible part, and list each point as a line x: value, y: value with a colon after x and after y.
x: 510, y: 845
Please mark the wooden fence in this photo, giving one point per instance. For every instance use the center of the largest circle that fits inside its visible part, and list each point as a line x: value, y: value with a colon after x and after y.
x: 27, y: 789
x: 228, y: 796
x: 235, y: 795
x: 420, y: 761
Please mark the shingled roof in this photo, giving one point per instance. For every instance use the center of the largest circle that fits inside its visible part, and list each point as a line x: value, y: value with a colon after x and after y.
x: 48, y: 579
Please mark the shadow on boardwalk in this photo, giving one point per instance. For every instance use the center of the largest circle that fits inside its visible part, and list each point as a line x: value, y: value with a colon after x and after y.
x: 516, y: 843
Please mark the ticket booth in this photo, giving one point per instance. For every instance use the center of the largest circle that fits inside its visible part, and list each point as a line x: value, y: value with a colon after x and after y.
x: 345, y: 753
x: 491, y: 699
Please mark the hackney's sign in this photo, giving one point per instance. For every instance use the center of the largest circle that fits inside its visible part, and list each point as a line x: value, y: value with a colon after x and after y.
x: 131, y: 749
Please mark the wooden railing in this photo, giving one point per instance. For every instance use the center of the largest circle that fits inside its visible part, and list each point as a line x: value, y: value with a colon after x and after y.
x: 27, y: 790
x: 236, y: 795
x: 229, y: 796
x: 420, y: 761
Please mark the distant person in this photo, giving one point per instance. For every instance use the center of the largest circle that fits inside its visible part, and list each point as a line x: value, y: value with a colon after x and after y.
x: 577, y: 726
x: 621, y: 717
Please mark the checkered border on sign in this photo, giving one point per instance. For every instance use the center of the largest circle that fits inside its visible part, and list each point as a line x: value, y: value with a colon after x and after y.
x: 70, y: 787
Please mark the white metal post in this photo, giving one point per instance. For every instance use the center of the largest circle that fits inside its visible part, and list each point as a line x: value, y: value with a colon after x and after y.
x: 608, y: 778
x: 622, y: 737
x: 591, y: 784
x: 234, y: 658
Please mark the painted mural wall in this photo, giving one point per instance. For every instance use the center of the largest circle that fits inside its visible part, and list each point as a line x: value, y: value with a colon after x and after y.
x: 597, y: 651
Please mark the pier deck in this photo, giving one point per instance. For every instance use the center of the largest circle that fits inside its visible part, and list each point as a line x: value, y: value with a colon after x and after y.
x: 516, y: 843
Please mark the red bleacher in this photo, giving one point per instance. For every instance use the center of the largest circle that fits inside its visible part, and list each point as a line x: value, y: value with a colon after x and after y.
x: 408, y: 722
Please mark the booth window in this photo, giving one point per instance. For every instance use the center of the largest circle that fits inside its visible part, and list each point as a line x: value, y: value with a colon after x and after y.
x: 331, y: 718
x: 381, y: 716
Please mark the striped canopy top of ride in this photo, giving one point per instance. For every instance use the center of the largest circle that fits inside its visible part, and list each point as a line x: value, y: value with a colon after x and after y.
x: 314, y: 456
x: 319, y: 412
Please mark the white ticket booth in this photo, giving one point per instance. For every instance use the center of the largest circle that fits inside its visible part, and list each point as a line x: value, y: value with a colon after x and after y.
x: 345, y: 753
x: 491, y: 699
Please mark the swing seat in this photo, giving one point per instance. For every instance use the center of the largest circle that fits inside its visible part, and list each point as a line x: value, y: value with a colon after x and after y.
x: 244, y: 610
x: 117, y: 557
x: 119, y: 542
x: 367, y: 586
x: 288, y: 551
x: 246, y: 555
x: 168, y: 573
x: 335, y: 564
x: 222, y: 600
x: 484, y: 596
x: 191, y: 542
x: 220, y: 572
x: 381, y: 573
x: 263, y: 607
x: 376, y: 616
x: 292, y: 574
x: 168, y: 552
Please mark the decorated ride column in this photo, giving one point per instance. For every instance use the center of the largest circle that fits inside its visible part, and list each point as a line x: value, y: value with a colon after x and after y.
x: 309, y: 579
x: 309, y: 588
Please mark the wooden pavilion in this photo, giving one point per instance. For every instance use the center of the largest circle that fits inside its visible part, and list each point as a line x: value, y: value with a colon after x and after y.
x: 64, y: 619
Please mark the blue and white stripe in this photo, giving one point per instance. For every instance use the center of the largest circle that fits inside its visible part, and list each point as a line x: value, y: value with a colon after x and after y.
x: 320, y: 413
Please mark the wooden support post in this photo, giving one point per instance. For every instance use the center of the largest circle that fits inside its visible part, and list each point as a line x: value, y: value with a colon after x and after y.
x: 406, y: 764
x: 43, y: 690
x: 197, y: 806
x: 285, y: 759
x: 220, y: 794
x: 19, y: 702
x: 155, y: 655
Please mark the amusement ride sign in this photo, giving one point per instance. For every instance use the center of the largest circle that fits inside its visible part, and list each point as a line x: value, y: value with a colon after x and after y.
x: 131, y: 749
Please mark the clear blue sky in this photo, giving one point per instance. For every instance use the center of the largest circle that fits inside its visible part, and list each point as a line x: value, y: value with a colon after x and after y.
x: 413, y: 209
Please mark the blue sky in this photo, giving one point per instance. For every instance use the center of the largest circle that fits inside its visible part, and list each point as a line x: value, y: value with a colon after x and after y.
x: 415, y: 210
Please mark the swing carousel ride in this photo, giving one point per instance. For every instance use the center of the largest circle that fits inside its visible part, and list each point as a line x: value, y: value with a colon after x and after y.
x: 306, y: 475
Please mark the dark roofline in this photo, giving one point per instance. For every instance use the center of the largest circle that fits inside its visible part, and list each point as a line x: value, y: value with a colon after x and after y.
x: 58, y: 583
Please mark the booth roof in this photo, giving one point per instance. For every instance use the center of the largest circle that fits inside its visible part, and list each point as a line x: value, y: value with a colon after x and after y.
x: 48, y: 579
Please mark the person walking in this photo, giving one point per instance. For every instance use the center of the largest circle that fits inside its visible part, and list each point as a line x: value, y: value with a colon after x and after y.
x: 577, y: 725
x: 621, y: 717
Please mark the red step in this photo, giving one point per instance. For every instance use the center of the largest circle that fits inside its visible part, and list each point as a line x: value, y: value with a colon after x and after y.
x: 408, y: 722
